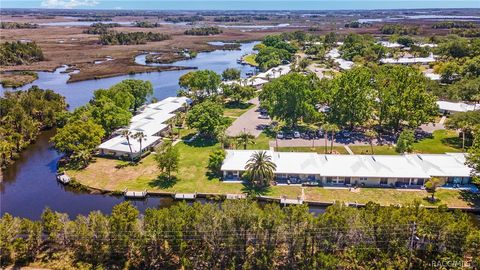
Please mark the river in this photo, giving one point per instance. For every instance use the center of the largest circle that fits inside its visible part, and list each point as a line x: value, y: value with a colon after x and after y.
x: 29, y: 185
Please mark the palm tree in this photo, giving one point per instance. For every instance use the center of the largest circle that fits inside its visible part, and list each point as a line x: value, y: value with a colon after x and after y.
x: 140, y: 136
x: 260, y: 168
x: 371, y: 134
x: 333, y: 129
x: 326, y: 127
x: 83, y: 156
x: 127, y: 134
x: 245, y: 139
x: 223, y: 138
x: 464, y: 127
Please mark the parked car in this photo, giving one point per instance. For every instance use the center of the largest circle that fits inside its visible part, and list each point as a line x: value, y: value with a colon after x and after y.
x: 289, y: 135
x: 280, y: 135
x: 263, y: 116
x: 320, y: 133
x: 296, y: 134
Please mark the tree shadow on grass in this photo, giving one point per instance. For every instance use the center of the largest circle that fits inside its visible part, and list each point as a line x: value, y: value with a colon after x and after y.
x: 435, y: 202
x: 472, y: 199
x: 236, y: 105
x: 163, y: 182
x: 202, y: 142
x: 455, y: 142
x: 212, y: 175
x: 254, y: 190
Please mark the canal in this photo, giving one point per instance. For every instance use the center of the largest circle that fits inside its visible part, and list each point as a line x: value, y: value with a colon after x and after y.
x: 29, y: 185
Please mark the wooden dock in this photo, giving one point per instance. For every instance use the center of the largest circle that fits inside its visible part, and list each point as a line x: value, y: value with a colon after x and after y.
x: 285, y: 201
x: 185, y: 196
x: 236, y: 196
x: 135, y: 194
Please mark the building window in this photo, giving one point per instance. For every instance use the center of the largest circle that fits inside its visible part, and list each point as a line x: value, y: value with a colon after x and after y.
x: 383, y: 181
x: 363, y: 178
x: 329, y: 180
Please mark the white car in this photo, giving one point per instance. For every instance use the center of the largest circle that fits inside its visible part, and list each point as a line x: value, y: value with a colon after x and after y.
x: 280, y: 135
x: 263, y: 116
x: 296, y: 134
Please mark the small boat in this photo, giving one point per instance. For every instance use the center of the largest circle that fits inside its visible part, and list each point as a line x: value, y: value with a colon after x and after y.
x: 63, y: 178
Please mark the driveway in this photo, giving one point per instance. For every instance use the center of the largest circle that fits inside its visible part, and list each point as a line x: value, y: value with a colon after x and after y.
x: 249, y: 122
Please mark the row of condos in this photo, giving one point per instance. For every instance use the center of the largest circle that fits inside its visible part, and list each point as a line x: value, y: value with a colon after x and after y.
x: 152, y: 121
x: 411, y: 170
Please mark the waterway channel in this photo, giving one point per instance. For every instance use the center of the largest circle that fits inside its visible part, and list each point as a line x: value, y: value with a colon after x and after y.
x: 29, y: 185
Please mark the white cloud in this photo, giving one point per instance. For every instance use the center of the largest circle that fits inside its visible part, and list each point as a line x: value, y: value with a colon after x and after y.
x: 68, y: 3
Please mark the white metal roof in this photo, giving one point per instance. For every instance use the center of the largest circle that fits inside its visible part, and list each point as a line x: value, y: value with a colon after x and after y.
x: 381, y: 166
x: 409, y: 60
x: 456, y: 106
x: 150, y: 122
x: 446, y: 165
x: 120, y: 144
x: 275, y: 72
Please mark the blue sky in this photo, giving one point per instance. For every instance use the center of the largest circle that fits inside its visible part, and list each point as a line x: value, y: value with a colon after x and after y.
x: 239, y: 5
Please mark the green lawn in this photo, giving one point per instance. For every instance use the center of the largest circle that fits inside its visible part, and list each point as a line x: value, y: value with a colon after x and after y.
x: 235, y: 110
x: 261, y: 142
x: 250, y: 59
x: 193, y: 176
x: 442, y: 141
x: 377, y: 150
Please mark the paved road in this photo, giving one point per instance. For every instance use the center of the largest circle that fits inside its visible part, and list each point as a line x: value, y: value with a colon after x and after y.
x: 249, y: 122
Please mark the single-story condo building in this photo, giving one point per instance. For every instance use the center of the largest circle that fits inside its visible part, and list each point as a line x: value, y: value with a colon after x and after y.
x: 151, y: 121
x: 447, y: 107
x: 365, y: 170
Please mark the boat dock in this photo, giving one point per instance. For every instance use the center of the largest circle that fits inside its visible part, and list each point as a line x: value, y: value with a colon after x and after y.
x: 285, y: 201
x: 185, y: 196
x: 135, y: 194
x: 236, y: 196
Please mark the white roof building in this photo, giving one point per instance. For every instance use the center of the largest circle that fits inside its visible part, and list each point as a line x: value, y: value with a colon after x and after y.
x: 275, y: 72
x: 335, y: 55
x: 119, y: 145
x: 408, y: 166
x: 151, y: 121
x: 453, y: 107
x: 409, y: 60
x: 389, y: 44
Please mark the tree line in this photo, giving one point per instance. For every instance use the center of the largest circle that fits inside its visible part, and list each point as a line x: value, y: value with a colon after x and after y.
x: 190, y: 19
x: 399, y: 29
x: 273, y: 51
x: 19, y: 53
x: 391, y: 97
x: 132, y: 38
x: 82, y: 130
x: 203, y: 31
x: 100, y: 28
x: 23, y: 114
x: 453, y: 24
x: 146, y: 24
x: 244, y: 235
x: 17, y: 25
